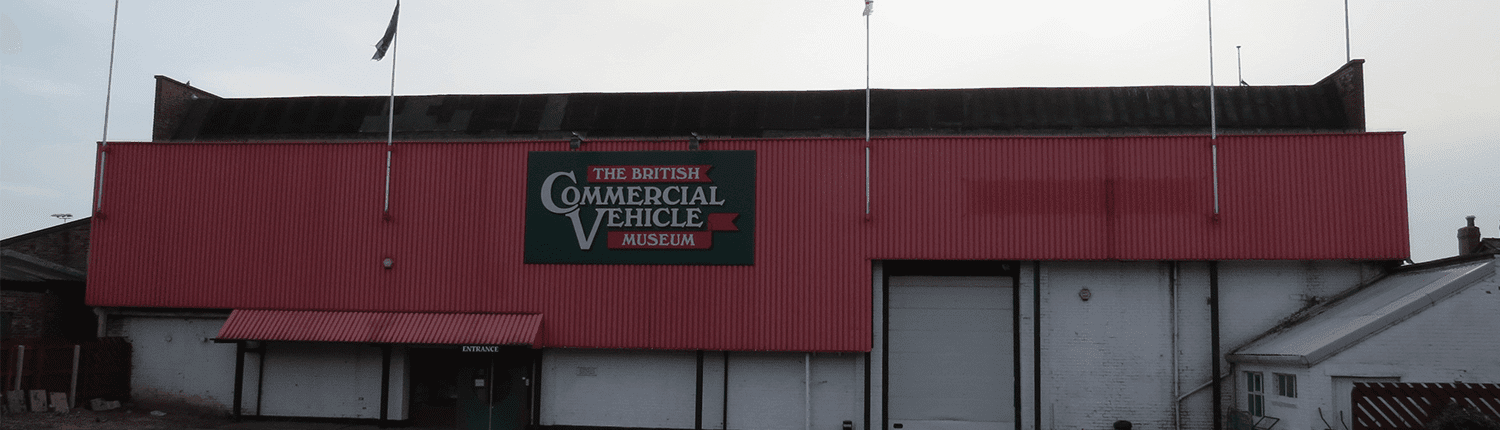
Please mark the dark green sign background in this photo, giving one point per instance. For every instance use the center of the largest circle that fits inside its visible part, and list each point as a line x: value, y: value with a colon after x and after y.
x: 553, y: 235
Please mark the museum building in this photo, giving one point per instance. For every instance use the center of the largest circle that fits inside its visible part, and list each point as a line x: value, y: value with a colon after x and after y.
x: 1001, y: 258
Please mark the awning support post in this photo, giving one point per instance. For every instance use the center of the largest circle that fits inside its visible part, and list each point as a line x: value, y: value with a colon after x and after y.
x: 698, y: 410
x: 239, y: 378
x: 1213, y: 310
x: 385, y: 384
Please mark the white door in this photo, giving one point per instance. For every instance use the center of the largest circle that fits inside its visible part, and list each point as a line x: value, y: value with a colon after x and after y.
x: 951, y: 354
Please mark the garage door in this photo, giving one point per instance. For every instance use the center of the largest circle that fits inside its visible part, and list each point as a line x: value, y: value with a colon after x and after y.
x: 951, y: 356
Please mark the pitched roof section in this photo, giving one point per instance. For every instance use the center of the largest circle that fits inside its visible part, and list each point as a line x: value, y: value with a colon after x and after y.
x: 20, y: 267
x: 1342, y: 323
x: 64, y: 245
x: 1335, y: 104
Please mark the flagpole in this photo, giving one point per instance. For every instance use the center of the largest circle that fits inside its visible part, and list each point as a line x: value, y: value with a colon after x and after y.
x: 1213, y: 117
x: 1213, y: 113
x: 108, y: 89
x: 1349, y: 54
x: 390, y: 131
x: 869, y: 8
x: 386, y: 43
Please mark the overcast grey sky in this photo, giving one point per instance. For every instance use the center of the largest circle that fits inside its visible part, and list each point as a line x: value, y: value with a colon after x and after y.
x: 1432, y: 70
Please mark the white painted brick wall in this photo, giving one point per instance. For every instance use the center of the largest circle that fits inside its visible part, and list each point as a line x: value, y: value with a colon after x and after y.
x: 1107, y: 358
x: 1110, y: 358
x: 173, y: 364
x: 1194, y: 339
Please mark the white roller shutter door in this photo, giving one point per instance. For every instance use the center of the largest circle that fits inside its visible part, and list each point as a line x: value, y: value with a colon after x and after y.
x: 951, y: 353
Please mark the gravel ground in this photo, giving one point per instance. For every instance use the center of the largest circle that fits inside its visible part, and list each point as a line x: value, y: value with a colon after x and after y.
x: 123, y: 419
x: 120, y: 419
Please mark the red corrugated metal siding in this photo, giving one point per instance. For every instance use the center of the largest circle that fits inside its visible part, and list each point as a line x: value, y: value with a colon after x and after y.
x: 1319, y: 197
x: 203, y: 235
x: 382, y: 327
x: 1140, y: 198
x: 299, y: 227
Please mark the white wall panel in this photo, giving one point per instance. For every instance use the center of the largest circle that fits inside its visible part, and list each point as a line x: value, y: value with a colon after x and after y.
x: 766, y: 390
x: 173, y: 362
x: 656, y: 389
x: 837, y: 390
x: 619, y: 388
x: 329, y: 380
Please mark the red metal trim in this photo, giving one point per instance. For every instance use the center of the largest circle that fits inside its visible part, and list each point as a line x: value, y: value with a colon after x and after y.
x: 382, y: 327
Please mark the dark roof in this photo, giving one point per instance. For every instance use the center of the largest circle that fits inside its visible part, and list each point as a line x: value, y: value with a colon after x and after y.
x: 70, y: 225
x: 20, y: 267
x: 31, y: 256
x: 1488, y: 245
x: 1335, y: 104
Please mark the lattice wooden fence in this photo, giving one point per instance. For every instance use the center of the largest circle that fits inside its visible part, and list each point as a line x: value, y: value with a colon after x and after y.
x: 1404, y: 406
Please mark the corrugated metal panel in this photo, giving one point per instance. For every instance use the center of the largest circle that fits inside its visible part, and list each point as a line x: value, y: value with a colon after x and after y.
x: 382, y: 327
x: 196, y: 226
x: 1141, y: 198
x: 1313, y: 197
x: 299, y: 227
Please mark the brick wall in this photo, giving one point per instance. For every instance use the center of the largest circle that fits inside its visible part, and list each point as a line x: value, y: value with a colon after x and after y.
x: 173, y: 365
x: 1110, y: 358
x: 66, y: 244
x: 173, y: 102
x: 31, y: 315
x: 1348, y: 83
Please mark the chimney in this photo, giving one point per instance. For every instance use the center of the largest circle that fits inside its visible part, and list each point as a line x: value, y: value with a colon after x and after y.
x: 1468, y: 238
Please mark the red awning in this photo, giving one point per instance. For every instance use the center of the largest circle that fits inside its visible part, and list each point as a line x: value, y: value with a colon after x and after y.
x: 382, y: 327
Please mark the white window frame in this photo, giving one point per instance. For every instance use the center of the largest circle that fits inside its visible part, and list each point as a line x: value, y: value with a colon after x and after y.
x: 1255, y: 399
x: 1286, y: 385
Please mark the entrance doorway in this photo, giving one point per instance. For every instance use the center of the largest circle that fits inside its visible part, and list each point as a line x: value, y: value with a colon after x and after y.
x: 471, y: 390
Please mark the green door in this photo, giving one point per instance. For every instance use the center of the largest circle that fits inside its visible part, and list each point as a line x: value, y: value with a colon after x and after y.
x: 494, y: 389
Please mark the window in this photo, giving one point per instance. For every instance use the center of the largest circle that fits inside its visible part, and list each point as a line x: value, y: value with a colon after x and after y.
x: 1255, y: 403
x: 1286, y: 385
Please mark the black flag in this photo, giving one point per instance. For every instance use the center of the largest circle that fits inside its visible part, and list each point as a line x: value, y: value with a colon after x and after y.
x: 390, y: 35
